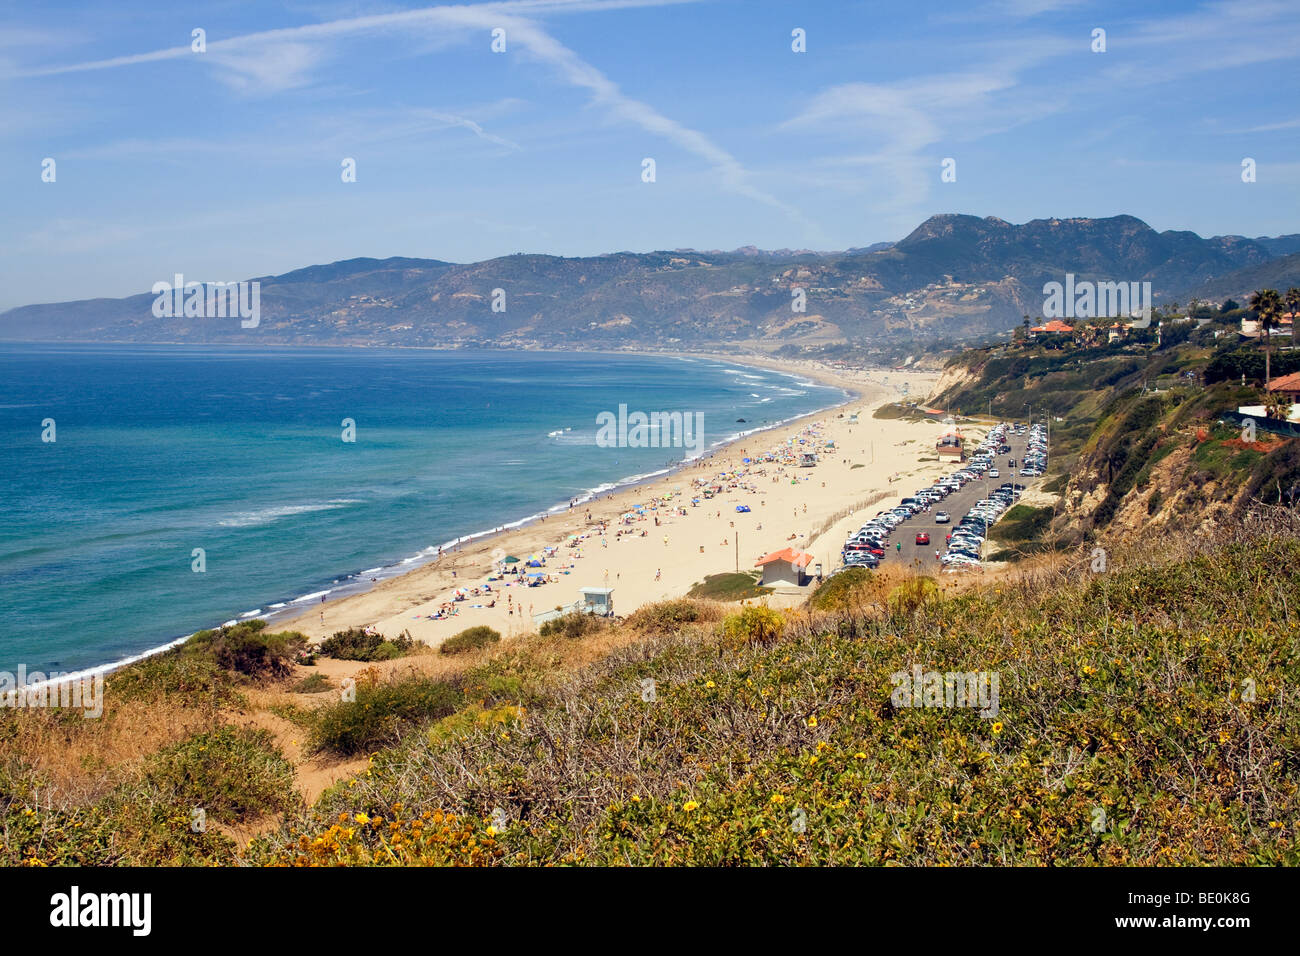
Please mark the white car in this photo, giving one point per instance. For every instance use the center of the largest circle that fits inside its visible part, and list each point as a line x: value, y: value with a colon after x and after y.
x: 941, y: 517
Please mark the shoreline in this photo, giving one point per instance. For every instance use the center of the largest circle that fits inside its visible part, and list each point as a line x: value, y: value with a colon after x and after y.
x: 405, y: 602
x: 295, y: 611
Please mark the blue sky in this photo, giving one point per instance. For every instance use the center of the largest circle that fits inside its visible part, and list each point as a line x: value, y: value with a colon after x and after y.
x: 226, y: 164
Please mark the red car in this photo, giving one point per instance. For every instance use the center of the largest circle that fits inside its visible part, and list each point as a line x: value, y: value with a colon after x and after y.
x: 923, y: 537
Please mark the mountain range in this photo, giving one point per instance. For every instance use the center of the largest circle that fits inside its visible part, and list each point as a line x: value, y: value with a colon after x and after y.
x: 954, y: 277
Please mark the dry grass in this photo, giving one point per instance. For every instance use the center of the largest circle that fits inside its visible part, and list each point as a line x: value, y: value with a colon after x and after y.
x: 81, y: 759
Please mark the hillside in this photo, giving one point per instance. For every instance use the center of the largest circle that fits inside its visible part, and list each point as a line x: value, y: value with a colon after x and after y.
x: 1168, y: 740
x: 954, y: 277
x: 1143, y: 434
x: 1280, y: 273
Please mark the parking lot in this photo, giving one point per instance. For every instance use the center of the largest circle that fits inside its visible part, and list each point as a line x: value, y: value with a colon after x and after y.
x: 987, y: 472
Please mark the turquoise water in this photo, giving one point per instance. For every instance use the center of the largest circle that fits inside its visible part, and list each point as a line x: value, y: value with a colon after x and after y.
x: 162, y: 450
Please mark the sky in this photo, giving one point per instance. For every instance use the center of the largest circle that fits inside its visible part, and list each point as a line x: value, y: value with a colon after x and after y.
x: 228, y: 163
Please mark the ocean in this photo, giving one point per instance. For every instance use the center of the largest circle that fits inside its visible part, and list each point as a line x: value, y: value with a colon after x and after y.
x: 168, y: 457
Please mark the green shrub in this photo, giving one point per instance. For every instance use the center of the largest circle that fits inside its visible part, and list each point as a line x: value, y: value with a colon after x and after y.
x: 381, y: 713
x: 245, y: 649
x: 1022, y: 523
x: 312, y: 685
x: 912, y: 595
x: 842, y: 591
x: 575, y: 624
x: 753, y: 625
x: 181, y: 675
x: 233, y: 773
x: 669, y: 617
x: 470, y: 639
x: 355, y: 644
x: 730, y: 586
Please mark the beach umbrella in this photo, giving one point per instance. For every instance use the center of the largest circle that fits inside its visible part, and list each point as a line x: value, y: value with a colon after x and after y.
x: 510, y: 559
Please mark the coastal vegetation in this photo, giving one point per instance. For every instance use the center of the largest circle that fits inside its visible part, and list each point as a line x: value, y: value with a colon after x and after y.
x: 1146, y: 716
x: 247, y: 649
x: 1145, y: 433
x: 378, y: 711
x: 573, y: 624
x: 737, y: 586
x: 361, y: 644
x: 470, y: 639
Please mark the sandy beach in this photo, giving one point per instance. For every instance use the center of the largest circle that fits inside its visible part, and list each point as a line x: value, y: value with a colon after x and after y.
x: 675, y: 536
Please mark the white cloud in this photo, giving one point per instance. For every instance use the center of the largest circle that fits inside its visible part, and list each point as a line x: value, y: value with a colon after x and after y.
x: 274, y: 60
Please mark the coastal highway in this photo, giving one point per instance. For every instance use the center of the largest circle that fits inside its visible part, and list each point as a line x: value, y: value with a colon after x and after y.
x: 956, y: 504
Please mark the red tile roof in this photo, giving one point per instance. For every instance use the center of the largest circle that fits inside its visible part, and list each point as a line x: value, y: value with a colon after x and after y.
x: 1056, y: 325
x: 800, y: 559
x: 1287, y: 383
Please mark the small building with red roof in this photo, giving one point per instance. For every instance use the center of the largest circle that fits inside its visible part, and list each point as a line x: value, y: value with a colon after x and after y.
x: 951, y: 445
x: 785, y: 568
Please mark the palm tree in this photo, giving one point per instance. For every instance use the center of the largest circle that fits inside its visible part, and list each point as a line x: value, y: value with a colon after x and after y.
x: 1292, y: 298
x: 1267, y: 306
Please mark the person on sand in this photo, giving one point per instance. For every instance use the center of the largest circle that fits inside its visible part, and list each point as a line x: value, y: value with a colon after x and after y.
x: 658, y: 573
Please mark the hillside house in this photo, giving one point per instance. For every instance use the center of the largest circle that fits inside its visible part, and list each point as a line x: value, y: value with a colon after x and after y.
x: 1288, y: 385
x: 1250, y: 327
x: 1054, y: 327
